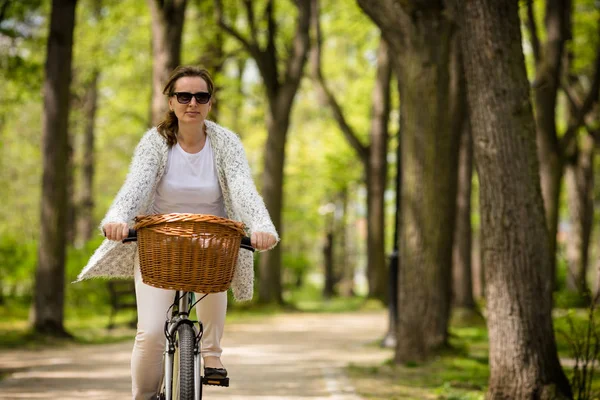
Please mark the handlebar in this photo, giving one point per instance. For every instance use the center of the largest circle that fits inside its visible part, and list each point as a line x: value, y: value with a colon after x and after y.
x: 245, y: 244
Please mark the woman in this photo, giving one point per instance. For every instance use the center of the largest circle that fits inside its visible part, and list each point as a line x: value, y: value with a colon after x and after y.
x: 185, y: 164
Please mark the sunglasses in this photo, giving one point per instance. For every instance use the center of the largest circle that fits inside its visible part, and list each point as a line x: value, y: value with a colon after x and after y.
x: 186, y: 97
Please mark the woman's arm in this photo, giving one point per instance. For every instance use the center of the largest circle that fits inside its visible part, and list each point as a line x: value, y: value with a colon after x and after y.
x: 244, y: 195
x: 139, y: 183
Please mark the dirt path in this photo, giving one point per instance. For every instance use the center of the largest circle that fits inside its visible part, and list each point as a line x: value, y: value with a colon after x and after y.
x: 285, y: 357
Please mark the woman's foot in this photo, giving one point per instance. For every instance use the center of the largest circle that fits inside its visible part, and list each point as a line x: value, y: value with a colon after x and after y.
x: 213, y: 368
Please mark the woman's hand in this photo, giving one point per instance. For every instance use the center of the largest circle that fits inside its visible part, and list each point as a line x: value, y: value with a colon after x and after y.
x: 116, y: 231
x: 262, y: 240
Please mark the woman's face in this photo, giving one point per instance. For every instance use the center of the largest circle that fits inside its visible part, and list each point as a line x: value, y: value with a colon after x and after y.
x: 193, y: 112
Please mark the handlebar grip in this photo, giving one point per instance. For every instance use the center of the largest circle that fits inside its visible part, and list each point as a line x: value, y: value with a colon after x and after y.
x: 131, y: 236
x: 247, y: 244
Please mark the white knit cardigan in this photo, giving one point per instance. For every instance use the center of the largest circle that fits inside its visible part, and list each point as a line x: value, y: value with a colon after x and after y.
x: 242, y: 203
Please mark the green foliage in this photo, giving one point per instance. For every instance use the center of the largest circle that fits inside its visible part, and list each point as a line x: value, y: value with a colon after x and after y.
x: 459, y: 373
x: 18, y: 259
x: 579, y: 330
x: 89, y: 294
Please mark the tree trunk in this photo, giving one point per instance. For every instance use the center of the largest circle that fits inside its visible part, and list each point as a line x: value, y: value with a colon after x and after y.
x: 462, y: 277
x: 237, y: 101
x: 328, y: 257
x: 376, y: 171
x: 546, y: 84
x: 523, y: 356
x: 48, y: 308
x: 420, y: 36
x: 346, y: 274
x: 461, y: 253
x: 167, y: 26
x: 85, y: 220
x: 212, y: 55
x: 579, y: 182
x: 269, y: 285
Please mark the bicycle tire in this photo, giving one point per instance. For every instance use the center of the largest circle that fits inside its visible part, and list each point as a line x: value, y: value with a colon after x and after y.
x: 187, y: 340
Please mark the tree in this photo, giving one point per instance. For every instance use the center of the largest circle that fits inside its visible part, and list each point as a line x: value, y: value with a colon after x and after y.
x: 554, y: 147
x: 419, y: 34
x: 523, y: 355
x: 85, y: 220
x: 579, y: 155
x: 373, y: 156
x: 462, y: 279
x: 48, y: 307
x: 209, y: 49
x: 280, y: 88
x: 167, y: 26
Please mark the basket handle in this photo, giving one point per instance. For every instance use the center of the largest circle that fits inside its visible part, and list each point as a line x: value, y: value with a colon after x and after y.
x: 246, y: 243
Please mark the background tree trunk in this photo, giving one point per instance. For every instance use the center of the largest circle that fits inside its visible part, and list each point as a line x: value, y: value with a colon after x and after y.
x: 85, y: 219
x: 328, y: 262
x: 546, y: 85
x: 462, y: 277
x: 48, y: 307
x: 579, y: 183
x: 212, y: 54
x: 376, y: 171
x: 419, y: 36
x: 523, y: 356
x: 346, y: 256
x: 167, y: 26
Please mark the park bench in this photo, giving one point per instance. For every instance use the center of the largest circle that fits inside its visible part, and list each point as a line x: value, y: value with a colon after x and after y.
x: 122, y: 297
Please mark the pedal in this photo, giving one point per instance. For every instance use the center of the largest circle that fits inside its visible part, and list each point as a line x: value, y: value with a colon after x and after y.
x: 216, y: 381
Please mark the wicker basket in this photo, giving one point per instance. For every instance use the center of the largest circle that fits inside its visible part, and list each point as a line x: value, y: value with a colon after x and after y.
x: 191, y: 252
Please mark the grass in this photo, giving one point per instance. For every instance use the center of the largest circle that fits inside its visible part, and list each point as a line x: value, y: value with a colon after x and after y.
x: 86, y: 326
x: 458, y: 373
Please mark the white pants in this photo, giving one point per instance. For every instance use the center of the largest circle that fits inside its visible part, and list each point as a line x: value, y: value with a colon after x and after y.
x: 149, y: 346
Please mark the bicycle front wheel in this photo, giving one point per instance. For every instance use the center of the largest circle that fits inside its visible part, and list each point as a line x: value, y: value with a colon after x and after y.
x: 187, y: 339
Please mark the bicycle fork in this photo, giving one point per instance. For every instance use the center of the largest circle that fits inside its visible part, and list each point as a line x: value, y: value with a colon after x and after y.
x: 171, y: 329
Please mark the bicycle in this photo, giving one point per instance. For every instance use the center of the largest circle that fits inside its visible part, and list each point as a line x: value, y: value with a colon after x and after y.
x: 189, y: 253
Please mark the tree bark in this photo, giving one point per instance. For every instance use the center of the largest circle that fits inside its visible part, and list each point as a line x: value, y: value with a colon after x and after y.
x: 376, y: 171
x: 462, y: 277
x: 48, y: 307
x: 346, y: 256
x: 167, y: 26
x: 212, y: 53
x: 579, y: 182
x: 270, y: 285
x: 85, y: 220
x: 328, y: 262
x: 523, y: 355
x: 419, y: 35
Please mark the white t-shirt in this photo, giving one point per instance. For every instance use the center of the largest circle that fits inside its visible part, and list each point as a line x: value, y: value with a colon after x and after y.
x: 190, y: 184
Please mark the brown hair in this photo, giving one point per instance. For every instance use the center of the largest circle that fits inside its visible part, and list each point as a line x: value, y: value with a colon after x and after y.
x: 168, y: 127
